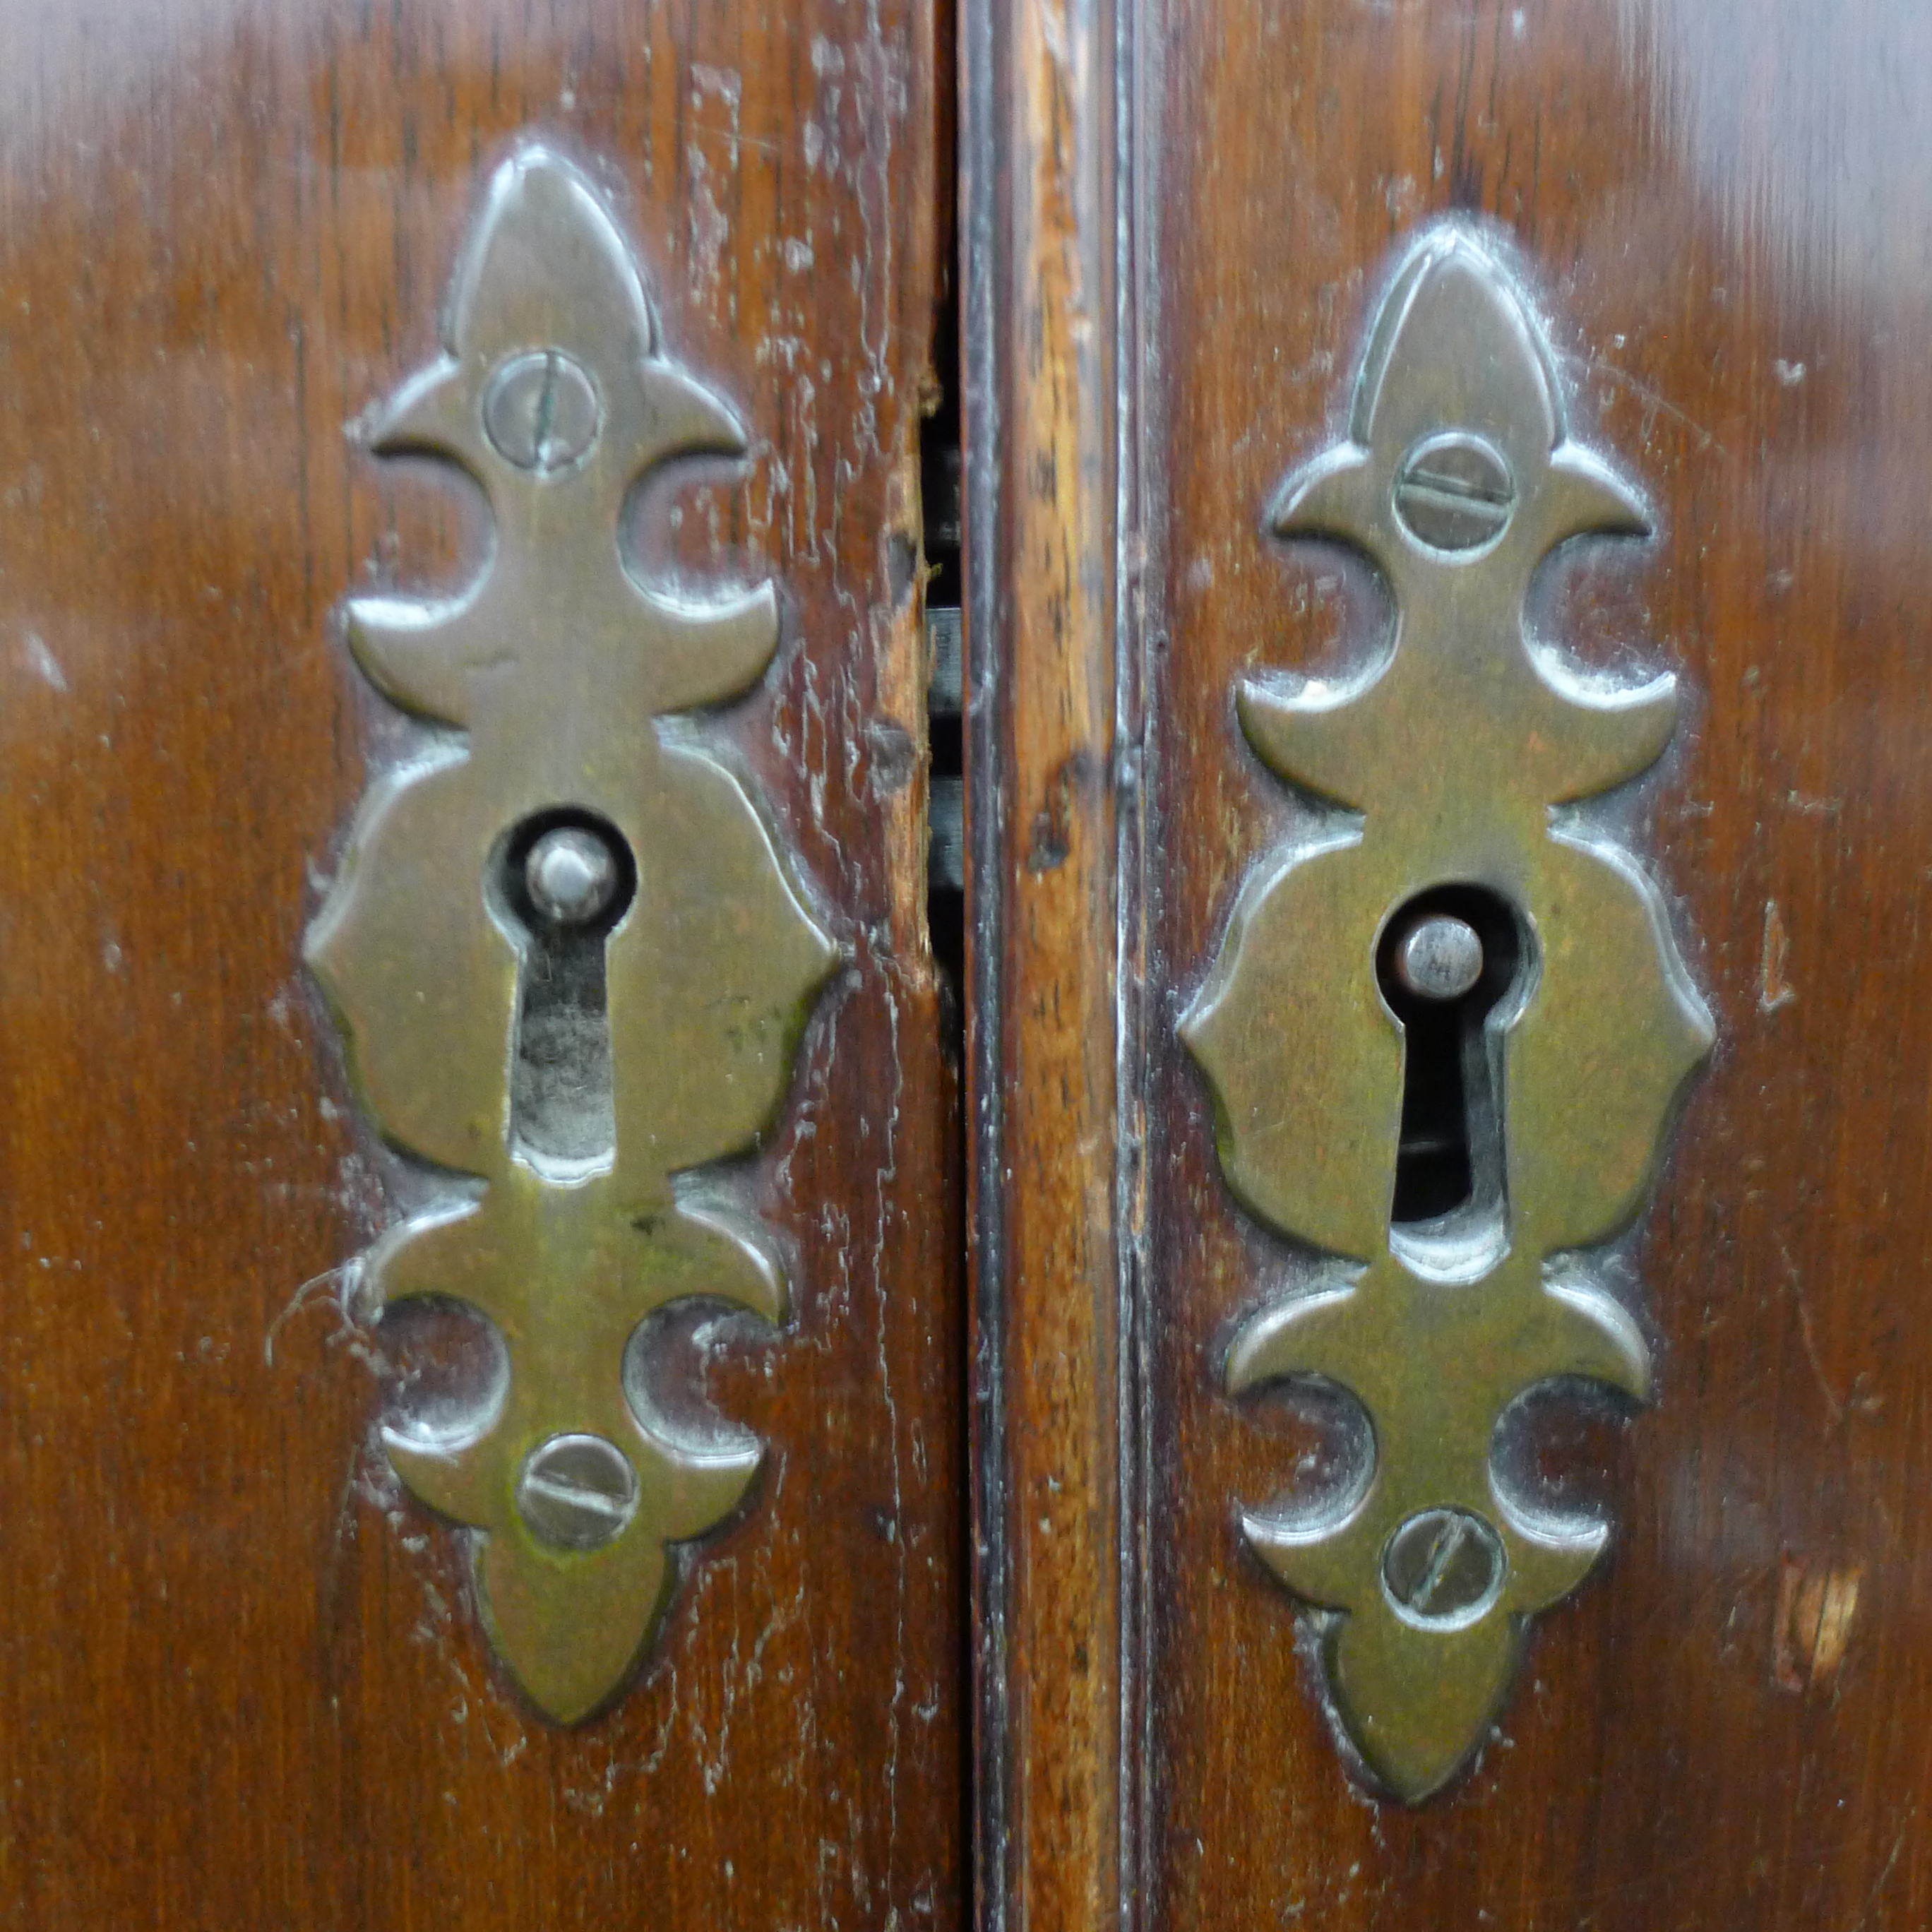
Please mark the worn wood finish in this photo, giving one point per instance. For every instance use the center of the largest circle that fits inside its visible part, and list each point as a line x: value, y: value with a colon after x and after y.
x: 239, y: 1682
x: 1037, y: 166
x: 1720, y: 205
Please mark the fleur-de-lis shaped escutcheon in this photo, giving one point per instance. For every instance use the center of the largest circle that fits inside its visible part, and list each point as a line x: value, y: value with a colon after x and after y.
x: 1445, y: 1041
x: 566, y: 957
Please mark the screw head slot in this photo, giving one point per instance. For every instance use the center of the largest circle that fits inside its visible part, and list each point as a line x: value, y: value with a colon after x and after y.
x: 1443, y: 1568
x: 1454, y: 493
x: 576, y: 1492
x: 541, y: 411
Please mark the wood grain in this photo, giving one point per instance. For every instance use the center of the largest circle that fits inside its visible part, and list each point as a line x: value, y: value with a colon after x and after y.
x: 240, y: 1682
x: 1037, y: 161
x: 1717, y: 205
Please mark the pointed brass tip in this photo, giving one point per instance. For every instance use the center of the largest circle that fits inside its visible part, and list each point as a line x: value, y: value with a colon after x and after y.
x: 1188, y: 1027
x: 1255, y: 710
x: 1418, y: 1704
x: 424, y: 415
x: 1256, y: 1355
x: 1604, y: 1342
x: 1291, y: 1336
x: 688, y: 419
x: 1702, y: 1031
x: 545, y: 236
x: 1323, y: 498
x: 1584, y: 496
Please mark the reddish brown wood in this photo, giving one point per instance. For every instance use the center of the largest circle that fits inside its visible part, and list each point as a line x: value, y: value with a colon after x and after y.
x: 1041, y: 941
x: 1719, y: 205
x: 239, y: 1682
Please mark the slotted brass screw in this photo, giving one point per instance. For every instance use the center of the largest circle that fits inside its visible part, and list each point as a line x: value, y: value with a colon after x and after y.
x: 541, y: 411
x: 576, y: 1492
x: 1454, y: 493
x: 1442, y: 1565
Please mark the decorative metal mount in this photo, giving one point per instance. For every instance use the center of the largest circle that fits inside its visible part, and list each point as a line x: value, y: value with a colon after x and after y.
x: 1445, y: 1042
x: 562, y: 949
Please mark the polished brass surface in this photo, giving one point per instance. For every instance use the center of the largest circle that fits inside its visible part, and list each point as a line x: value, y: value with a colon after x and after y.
x: 1447, y: 763
x: 568, y: 964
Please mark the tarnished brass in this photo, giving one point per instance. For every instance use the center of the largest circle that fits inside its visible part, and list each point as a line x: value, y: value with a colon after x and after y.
x: 1445, y: 759
x: 578, y: 1021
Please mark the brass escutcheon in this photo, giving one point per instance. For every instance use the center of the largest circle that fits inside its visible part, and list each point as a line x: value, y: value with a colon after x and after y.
x: 569, y: 964
x: 1445, y: 923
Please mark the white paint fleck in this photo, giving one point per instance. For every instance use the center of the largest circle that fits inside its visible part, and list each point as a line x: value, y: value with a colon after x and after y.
x: 709, y: 230
x: 726, y: 82
x: 1789, y: 373
x: 1774, y: 990
x: 710, y: 226
x: 798, y: 255
x: 43, y: 662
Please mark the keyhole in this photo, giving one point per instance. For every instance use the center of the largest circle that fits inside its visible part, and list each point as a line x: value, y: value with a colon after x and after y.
x: 563, y: 881
x: 1447, y: 959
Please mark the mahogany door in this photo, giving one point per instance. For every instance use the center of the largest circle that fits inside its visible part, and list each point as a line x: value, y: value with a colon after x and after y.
x: 246, y: 1675
x: 1292, y: 332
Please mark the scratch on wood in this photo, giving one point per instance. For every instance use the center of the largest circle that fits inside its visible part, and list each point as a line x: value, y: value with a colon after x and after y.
x: 1812, y: 1626
x: 1833, y: 1402
x: 1653, y: 404
x: 1774, y: 990
x: 338, y: 1287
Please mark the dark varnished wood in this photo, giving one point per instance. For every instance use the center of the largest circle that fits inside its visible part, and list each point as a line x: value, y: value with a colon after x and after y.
x: 1728, y: 1724
x: 239, y: 1681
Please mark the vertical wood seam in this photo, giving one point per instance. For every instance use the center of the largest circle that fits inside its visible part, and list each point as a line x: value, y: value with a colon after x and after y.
x: 1038, y: 162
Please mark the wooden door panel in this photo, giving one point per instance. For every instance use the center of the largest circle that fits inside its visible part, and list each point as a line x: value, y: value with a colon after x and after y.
x: 241, y: 1679
x: 1710, y: 209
